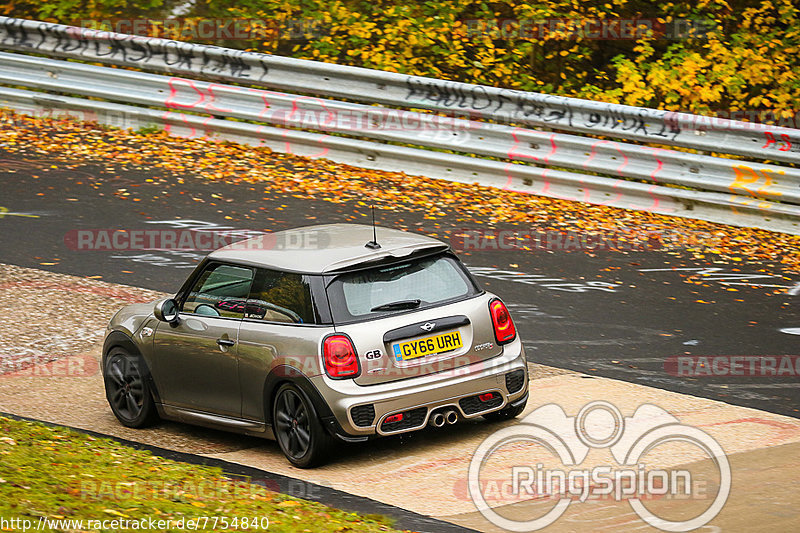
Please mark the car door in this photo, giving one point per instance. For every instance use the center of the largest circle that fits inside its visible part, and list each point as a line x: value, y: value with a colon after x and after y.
x: 281, y: 328
x: 197, y: 359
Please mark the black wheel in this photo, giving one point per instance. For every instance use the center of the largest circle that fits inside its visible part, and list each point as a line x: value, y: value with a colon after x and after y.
x: 127, y: 390
x: 299, y: 433
x: 507, y: 413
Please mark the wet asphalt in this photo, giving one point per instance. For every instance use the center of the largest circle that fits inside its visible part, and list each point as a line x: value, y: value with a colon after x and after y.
x: 620, y: 314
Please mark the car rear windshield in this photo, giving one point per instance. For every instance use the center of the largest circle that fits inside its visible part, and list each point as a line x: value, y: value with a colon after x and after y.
x: 399, y: 288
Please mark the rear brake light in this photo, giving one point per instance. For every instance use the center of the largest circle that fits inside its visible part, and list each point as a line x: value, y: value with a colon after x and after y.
x: 504, y: 330
x: 340, y: 357
x: 486, y: 397
x: 393, y: 418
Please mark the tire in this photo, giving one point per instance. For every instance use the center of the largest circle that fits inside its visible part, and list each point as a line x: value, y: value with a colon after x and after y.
x: 507, y: 413
x: 299, y: 433
x: 128, y: 390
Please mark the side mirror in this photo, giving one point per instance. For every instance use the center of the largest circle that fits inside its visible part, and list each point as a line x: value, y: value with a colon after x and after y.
x: 166, y: 310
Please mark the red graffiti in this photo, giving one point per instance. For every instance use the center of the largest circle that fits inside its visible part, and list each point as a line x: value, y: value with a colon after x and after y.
x: 785, y: 142
x: 592, y: 155
x: 659, y: 167
x: 263, y: 112
x: 513, y: 154
x: 204, y: 100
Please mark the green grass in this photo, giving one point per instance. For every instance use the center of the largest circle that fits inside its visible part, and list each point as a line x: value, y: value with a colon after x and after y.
x: 62, y: 474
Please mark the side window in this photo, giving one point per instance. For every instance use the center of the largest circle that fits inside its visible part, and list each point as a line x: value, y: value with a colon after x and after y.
x: 280, y: 297
x: 221, y: 290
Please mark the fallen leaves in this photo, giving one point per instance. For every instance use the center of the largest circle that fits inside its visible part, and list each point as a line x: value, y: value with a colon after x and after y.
x: 74, y: 144
x: 288, y: 503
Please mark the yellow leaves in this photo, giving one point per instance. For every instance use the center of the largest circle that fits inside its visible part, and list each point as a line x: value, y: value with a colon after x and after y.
x: 633, y: 84
x: 707, y: 93
x: 692, y: 65
x: 288, y: 503
x: 115, y: 513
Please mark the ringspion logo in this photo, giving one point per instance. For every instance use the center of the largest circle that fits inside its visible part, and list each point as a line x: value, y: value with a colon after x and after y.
x: 568, y: 440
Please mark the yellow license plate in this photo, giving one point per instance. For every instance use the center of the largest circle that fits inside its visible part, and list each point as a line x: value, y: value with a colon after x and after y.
x: 435, y: 345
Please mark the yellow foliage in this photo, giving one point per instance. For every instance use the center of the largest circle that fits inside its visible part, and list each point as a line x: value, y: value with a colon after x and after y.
x: 737, y: 54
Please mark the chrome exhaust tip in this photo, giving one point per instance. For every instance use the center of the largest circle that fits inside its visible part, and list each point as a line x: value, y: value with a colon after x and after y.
x: 438, y: 420
x: 451, y: 417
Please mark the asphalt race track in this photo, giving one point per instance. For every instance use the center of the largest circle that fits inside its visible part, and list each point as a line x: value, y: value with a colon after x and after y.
x: 615, y: 314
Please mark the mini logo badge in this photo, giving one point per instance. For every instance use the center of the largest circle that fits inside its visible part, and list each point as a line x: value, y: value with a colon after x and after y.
x: 427, y: 326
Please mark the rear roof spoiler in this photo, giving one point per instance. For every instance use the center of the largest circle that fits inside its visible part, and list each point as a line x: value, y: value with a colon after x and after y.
x: 380, y: 256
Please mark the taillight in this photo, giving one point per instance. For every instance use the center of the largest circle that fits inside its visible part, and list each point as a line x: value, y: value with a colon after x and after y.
x: 340, y: 357
x: 504, y: 330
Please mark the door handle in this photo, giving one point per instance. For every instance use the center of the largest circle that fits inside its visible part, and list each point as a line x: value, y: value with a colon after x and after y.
x: 225, y: 342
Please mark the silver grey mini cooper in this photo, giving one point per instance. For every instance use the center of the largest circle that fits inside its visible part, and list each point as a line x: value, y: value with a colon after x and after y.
x: 319, y: 333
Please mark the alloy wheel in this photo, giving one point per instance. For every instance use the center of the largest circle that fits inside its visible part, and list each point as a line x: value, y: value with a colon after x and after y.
x: 293, y: 424
x: 127, y: 391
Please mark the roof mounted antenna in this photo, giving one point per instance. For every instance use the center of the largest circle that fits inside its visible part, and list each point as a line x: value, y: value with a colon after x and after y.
x: 373, y: 244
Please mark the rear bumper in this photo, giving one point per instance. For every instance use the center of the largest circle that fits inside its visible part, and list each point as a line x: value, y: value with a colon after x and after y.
x: 454, y: 389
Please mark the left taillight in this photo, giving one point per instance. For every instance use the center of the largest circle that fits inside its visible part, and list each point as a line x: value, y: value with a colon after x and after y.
x: 504, y: 330
x: 340, y: 357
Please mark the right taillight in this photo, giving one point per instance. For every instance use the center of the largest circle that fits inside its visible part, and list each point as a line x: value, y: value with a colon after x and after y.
x: 340, y: 357
x: 504, y: 330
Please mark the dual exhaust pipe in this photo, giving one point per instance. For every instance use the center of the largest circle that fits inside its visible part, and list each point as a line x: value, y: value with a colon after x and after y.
x: 441, y: 418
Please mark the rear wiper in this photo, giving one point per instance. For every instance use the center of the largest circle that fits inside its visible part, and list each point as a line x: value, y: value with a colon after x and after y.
x: 400, y: 304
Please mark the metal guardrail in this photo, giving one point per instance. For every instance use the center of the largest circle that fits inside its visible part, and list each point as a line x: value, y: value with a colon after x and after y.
x: 423, y: 129
x: 724, y: 189
x: 591, y: 189
x: 373, y: 86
